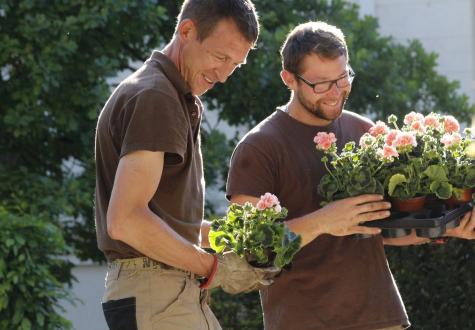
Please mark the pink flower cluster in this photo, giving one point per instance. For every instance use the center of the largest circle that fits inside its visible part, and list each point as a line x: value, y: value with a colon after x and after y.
x: 397, y: 140
x: 432, y: 120
x: 449, y: 140
x: 269, y: 200
x: 388, y: 152
x: 324, y: 140
x: 412, y: 117
x: 415, y: 125
x: 451, y: 125
x: 380, y: 128
x: 405, y: 139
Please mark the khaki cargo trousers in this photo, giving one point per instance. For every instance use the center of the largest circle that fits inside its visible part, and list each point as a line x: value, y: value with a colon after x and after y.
x: 144, y: 294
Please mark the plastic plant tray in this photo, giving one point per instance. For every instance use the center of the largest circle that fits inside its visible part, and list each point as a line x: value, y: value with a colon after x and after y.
x: 431, y: 222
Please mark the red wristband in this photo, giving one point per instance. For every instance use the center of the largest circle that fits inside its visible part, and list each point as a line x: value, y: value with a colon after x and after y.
x: 439, y: 240
x: 206, y: 284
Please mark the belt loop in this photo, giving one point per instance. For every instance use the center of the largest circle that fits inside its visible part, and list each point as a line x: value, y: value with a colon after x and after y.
x: 146, y: 262
x: 120, y: 264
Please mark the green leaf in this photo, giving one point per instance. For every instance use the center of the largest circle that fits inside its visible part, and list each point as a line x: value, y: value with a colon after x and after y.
x: 436, y: 173
x: 442, y: 190
x: 395, y: 181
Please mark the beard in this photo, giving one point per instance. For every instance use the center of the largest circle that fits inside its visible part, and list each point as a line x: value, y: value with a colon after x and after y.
x: 317, y: 109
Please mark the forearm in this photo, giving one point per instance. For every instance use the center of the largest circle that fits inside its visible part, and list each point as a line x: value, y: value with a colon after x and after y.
x: 147, y: 233
x: 306, y: 226
x: 205, y: 227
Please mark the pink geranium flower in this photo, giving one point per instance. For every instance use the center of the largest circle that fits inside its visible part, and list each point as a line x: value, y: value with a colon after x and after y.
x: 378, y: 129
x: 449, y: 140
x: 268, y: 200
x: 324, y: 140
x: 432, y: 120
x: 391, y: 136
x: 451, y: 125
x: 418, y: 126
x: 388, y: 152
x: 413, y: 116
x: 405, y: 139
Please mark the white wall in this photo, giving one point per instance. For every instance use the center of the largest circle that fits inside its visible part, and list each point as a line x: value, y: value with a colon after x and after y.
x: 446, y: 27
x: 87, y: 315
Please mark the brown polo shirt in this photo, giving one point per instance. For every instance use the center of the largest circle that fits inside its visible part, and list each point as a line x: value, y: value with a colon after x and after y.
x: 153, y: 109
x: 334, y: 282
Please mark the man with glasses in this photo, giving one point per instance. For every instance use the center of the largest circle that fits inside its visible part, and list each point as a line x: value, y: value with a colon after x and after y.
x: 336, y: 282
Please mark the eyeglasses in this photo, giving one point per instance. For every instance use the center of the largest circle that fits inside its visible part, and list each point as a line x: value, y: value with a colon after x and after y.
x: 325, y: 86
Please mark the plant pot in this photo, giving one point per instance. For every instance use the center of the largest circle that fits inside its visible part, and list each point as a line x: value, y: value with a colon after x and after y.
x: 454, y: 201
x: 409, y: 204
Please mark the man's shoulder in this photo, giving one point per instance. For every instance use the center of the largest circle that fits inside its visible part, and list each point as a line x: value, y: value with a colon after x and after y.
x: 264, y: 131
x: 149, y: 80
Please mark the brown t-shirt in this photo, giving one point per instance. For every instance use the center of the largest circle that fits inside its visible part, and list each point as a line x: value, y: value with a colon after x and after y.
x: 153, y: 109
x: 334, y: 282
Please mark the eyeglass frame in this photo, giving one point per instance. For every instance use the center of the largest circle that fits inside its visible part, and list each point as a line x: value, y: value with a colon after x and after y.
x: 350, y: 73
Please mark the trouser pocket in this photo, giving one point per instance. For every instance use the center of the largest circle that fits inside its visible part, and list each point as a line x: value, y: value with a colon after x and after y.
x: 120, y: 314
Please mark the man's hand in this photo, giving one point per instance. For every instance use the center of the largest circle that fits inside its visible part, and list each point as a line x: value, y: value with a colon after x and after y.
x: 343, y: 217
x: 466, y: 228
x: 411, y: 239
x: 234, y: 274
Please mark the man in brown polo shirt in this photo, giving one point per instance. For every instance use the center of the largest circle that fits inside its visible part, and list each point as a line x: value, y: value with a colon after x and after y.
x: 336, y: 282
x: 149, y: 176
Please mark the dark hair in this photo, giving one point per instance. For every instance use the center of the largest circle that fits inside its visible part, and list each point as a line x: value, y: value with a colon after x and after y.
x: 318, y: 38
x: 207, y: 13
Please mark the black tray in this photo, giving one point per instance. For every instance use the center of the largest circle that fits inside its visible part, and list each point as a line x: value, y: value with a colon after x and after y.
x: 431, y: 222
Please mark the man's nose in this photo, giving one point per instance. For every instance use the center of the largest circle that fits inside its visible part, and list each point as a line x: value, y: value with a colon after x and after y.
x: 224, y: 71
x: 334, y: 89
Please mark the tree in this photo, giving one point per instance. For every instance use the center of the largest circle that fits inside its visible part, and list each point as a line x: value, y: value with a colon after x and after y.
x: 55, y: 58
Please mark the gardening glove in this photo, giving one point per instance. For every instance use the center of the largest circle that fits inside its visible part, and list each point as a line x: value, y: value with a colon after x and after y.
x: 234, y: 274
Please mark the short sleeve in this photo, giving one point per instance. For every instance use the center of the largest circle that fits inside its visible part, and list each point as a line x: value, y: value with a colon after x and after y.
x: 251, y: 172
x: 154, y: 121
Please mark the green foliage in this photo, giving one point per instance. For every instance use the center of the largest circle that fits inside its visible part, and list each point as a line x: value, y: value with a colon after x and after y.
x: 460, y: 163
x: 351, y: 172
x: 30, y: 273
x: 55, y: 57
x: 254, y: 234
x: 237, y: 312
x: 437, y: 284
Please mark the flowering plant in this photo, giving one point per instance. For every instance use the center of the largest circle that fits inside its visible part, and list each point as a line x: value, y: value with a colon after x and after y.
x: 427, y: 155
x: 460, y: 160
x: 255, y: 233
x: 351, y: 172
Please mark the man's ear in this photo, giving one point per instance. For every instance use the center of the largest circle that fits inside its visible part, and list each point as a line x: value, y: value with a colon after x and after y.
x: 289, y: 79
x: 187, y: 30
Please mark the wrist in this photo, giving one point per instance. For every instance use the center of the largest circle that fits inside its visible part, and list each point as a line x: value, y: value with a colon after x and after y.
x: 212, y: 272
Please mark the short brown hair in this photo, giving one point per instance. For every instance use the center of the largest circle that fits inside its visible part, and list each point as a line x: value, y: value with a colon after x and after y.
x: 319, y: 38
x: 207, y: 13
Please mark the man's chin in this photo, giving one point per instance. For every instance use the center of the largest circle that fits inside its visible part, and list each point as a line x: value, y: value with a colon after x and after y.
x: 331, y: 116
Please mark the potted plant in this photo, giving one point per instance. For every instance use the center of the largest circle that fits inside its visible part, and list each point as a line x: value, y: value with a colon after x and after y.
x: 460, y: 162
x: 256, y: 233
x: 351, y: 172
x: 407, y: 163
